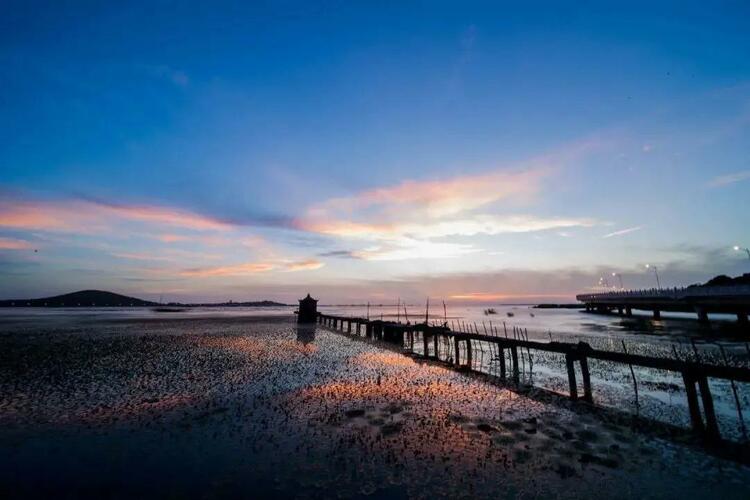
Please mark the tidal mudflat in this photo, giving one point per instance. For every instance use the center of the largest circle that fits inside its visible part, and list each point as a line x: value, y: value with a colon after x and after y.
x: 257, y: 407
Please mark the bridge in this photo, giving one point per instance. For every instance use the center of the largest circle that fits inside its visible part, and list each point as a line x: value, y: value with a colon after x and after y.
x: 701, y: 300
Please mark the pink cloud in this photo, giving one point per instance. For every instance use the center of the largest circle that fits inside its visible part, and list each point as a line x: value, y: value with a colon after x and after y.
x: 140, y: 256
x: 14, y: 244
x: 305, y: 265
x: 91, y: 217
x: 250, y: 268
x: 233, y: 270
x: 172, y: 238
x: 439, y: 198
x: 414, y: 212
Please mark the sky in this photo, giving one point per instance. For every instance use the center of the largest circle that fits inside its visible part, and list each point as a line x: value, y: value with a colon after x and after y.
x: 474, y: 152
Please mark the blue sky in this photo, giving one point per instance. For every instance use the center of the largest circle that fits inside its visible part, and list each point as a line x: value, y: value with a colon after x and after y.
x: 474, y: 151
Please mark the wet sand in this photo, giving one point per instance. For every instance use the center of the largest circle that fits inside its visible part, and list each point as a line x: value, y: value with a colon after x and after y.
x: 255, y: 407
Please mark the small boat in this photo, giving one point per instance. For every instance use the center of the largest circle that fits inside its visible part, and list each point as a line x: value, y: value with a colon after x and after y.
x: 510, y: 314
x: 489, y: 311
x: 169, y: 309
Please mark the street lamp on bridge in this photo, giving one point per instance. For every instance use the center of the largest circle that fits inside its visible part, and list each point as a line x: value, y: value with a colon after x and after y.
x: 619, y: 276
x: 656, y: 272
x: 738, y: 248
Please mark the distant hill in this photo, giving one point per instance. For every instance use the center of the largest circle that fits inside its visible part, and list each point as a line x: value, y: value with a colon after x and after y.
x: 84, y: 298
x: 99, y: 298
x: 724, y: 280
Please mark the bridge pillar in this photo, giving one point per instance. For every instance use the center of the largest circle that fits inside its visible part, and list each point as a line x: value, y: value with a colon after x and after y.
x: 657, y: 314
x: 742, y: 317
x: 619, y: 311
x: 628, y: 311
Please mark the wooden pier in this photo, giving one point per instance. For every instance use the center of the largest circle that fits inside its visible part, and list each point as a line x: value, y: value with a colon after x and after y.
x: 460, y: 353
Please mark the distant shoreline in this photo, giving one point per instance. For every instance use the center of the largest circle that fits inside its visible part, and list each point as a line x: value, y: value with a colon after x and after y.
x: 99, y: 298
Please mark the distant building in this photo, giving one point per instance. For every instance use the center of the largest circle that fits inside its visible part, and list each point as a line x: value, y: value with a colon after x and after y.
x: 308, y: 310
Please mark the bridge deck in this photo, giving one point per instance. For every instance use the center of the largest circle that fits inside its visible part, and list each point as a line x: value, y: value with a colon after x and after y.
x: 700, y: 300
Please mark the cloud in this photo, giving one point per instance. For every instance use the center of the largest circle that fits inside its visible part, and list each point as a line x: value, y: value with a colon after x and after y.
x: 623, y: 232
x: 14, y: 244
x: 305, y: 265
x: 402, y: 221
x: 405, y: 249
x: 346, y: 254
x: 251, y: 268
x: 234, y: 270
x: 725, y: 180
x: 437, y: 198
x: 163, y: 215
x: 474, y: 225
x: 172, y: 238
x: 86, y: 216
x: 140, y: 256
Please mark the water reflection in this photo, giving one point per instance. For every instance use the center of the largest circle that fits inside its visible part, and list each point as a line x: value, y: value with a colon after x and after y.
x: 306, y: 333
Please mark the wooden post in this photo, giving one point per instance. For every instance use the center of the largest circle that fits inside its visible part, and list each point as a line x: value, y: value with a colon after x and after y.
x: 435, y: 342
x: 569, y: 361
x: 502, y: 360
x: 426, y: 344
x: 587, y: 396
x: 456, y: 344
x: 514, y: 360
x: 349, y: 327
x: 468, y: 353
x: 712, y: 426
x: 692, y: 399
x: 702, y: 314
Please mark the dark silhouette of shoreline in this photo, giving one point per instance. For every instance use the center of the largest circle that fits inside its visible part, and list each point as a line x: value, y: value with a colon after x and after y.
x: 100, y: 298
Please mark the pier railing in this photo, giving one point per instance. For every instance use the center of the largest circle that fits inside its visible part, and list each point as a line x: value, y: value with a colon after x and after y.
x: 694, y: 374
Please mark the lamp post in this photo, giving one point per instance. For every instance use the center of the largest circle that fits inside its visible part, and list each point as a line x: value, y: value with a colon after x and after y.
x: 656, y: 272
x: 738, y: 248
x: 619, y: 276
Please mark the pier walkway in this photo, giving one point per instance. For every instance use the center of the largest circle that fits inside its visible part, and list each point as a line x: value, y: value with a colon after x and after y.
x: 459, y: 350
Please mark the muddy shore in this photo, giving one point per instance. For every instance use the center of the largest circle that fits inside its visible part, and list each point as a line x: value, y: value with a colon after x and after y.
x: 258, y: 407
